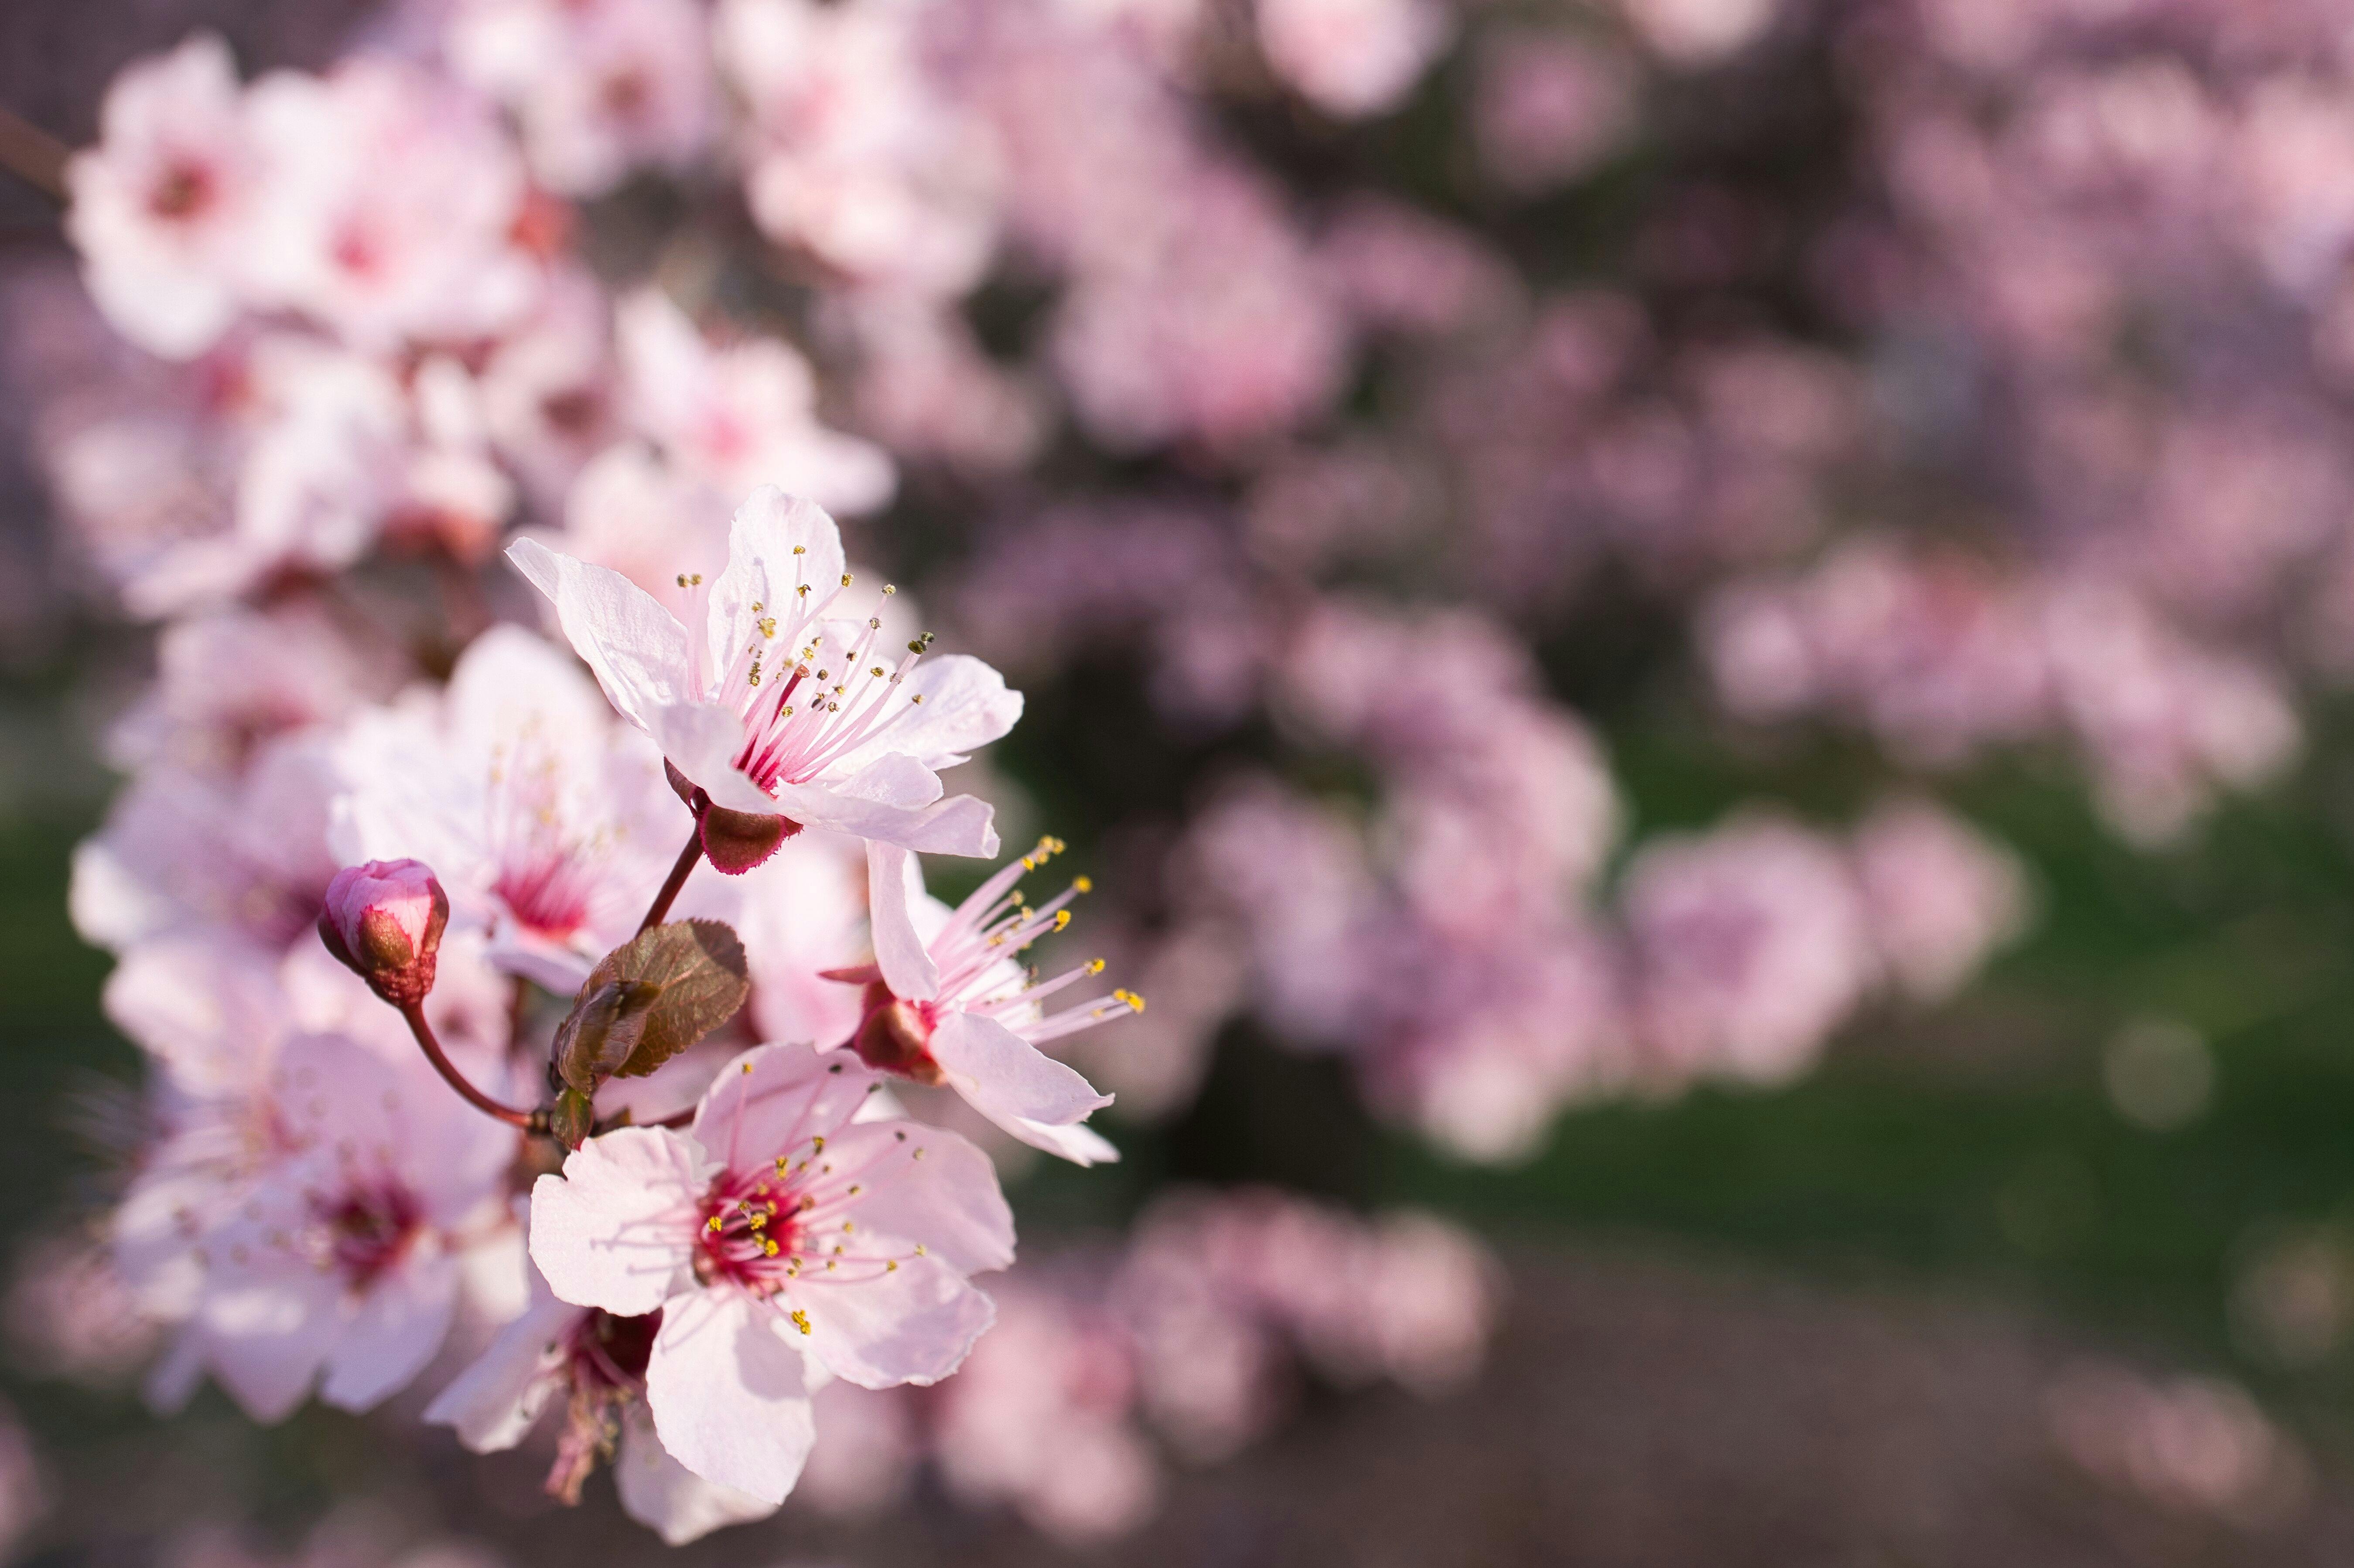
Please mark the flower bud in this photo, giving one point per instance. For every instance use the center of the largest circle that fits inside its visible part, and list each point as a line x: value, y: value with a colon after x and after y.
x: 384, y: 920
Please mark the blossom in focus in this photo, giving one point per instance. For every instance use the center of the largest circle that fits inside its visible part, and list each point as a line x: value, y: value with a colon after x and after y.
x: 382, y: 921
x: 1353, y: 58
x: 1750, y: 943
x: 948, y: 1002
x: 781, y: 1242
x: 771, y: 707
x: 548, y: 822
x: 163, y: 208
x: 590, y: 1366
x: 1940, y: 896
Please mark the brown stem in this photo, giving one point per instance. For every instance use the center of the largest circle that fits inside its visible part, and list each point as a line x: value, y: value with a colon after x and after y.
x: 688, y: 858
x: 415, y: 1012
x: 33, y: 155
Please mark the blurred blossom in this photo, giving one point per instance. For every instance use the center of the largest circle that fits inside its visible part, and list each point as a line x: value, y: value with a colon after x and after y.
x: 1549, y: 107
x: 1751, y: 946
x: 2194, y: 1445
x: 1401, y: 270
x: 1695, y: 33
x: 599, y: 88
x: 2292, y: 1299
x: 23, y: 1485
x: 68, y: 1315
x: 1939, y: 896
x: 1353, y: 58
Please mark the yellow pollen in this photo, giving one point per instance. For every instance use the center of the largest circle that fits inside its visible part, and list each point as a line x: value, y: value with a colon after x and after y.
x: 1062, y: 919
x: 1083, y: 884
x: 890, y: 1268
x: 845, y: 579
x: 1095, y: 967
x: 918, y: 698
x: 800, y: 1320
x: 769, y: 1248
x: 874, y: 623
x: 1135, y: 1003
x: 800, y: 549
x: 713, y: 1226
x: 889, y: 589
x: 920, y: 1251
x: 817, y: 1145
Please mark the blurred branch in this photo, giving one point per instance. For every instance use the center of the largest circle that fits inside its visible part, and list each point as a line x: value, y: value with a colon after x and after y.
x: 33, y: 155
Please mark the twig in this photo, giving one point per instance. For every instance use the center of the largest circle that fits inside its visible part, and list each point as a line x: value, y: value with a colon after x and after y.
x: 34, y: 156
x: 527, y: 1121
x: 688, y: 858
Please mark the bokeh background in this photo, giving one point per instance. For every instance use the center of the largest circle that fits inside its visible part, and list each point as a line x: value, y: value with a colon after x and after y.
x: 1490, y: 504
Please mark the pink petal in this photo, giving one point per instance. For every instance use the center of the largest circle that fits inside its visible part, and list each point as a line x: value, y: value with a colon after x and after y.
x: 966, y: 704
x: 893, y: 881
x: 774, y: 1099
x: 617, y: 1227
x: 948, y: 1200
x: 1006, y: 1079
x: 666, y: 1497
x: 495, y: 1399
x: 401, y: 1322
x: 636, y: 648
x: 914, y: 1324
x: 730, y: 1394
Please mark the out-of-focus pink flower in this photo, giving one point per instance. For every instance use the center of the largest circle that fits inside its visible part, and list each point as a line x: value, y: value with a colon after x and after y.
x: 1039, y: 1417
x: 341, y: 1255
x: 382, y: 921
x: 391, y: 199
x: 548, y: 822
x: 773, y: 708
x: 776, y: 1232
x: 2194, y: 1445
x: 1750, y: 945
x: 230, y: 680
x: 1353, y: 58
x: 181, y: 851
x: 872, y: 1444
x: 927, y: 389
x: 854, y: 152
x: 1401, y: 270
x: 741, y: 415
x: 947, y: 1002
x: 1693, y: 34
x: 69, y: 1315
x: 549, y: 399
x: 23, y: 1485
x: 1549, y: 107
x: 163, y: 208
x: 1940, y: 896
x: 631, y: 512
x: 600, y: 89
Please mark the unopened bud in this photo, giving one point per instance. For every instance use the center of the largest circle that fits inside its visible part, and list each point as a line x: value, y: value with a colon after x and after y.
x: 384, y: 920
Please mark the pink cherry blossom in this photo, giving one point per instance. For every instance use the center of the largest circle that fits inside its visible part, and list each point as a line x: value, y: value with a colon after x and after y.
x: 947, y: 1002
x: 163, y: 206
x: 338, y: 1264
x: 739, y: 415
x: 1941, y: 895
x: 1751, y: 948
x: 1353, y: 58
x: 1551, y: 107
x: 549, y: 404
x: 781, y: 1242
x: 600, y: 89
x: 853, y: 153
x: 644, y: 518
x: 391, y: 202
x: 591, y: 1367
x: 549, y: 823
x: 1699, y: 33
x: 774, y: 709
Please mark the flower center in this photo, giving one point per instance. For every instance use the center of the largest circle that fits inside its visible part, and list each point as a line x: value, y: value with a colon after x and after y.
x: 749, y: 1234
x: 369, y: 1229
x: 186, y: 190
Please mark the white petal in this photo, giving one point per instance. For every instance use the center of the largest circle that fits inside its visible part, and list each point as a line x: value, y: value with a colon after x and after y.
x: 966, y: 704
x: 774, y: 1099
x: 702, y: 741
x: 1077, y: 1142
x: 961, y: 824
x: 616, y: 1228
x: 948, y: 1199
x: 730, y: 1397
x: 401, y: 1321
x: 665, y: 1495
x: 636, y: 648
x: 495, y: 1402
x: 762, y: 568
x: 266, y: 1338
x: 1006, y: 1079
x: 914, y: 1324
x: 893, y: 880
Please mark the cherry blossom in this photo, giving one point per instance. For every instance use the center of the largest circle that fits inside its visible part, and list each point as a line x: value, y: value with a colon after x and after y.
x: 1353, y: 58
x: 739, y: 415
x: 163, y: 208
x: 948, y: 1003
x: 781, y: 1242
x: 591, y: 1366
x: 547, y: 822
x: 771, y: 707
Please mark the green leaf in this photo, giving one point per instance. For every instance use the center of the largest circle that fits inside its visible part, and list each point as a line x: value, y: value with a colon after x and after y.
x: 696, y: 973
